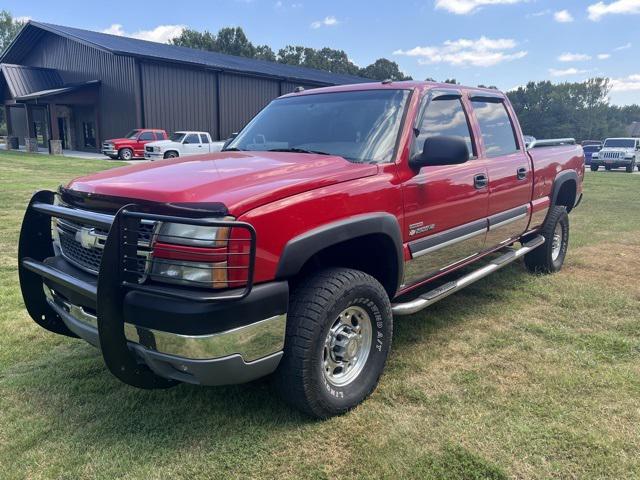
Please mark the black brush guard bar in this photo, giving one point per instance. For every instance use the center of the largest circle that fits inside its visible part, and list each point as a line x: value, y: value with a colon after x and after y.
x: 117, y: 274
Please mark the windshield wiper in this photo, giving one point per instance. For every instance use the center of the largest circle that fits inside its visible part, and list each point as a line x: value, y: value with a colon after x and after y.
x: 298, y: 150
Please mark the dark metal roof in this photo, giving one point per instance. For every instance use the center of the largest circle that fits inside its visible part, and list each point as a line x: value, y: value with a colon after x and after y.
x: 164, y: 52
x: 52, y: 92
x: 23, y: 80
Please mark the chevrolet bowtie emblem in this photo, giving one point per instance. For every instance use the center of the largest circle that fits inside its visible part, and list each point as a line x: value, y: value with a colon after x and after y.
x: 87, y: 237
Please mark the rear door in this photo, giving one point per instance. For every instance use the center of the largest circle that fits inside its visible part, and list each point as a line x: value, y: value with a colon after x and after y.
x: 508, y: 166
x: 143, y: 139
x: 206, y: 144
x: 445, y: 206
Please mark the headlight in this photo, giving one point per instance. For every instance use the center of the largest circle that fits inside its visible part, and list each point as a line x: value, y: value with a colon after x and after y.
x: 595, y: 155
x: 629, y: 155
x: 192, y: 235
x: 191, y: 255
x: 157, y: 149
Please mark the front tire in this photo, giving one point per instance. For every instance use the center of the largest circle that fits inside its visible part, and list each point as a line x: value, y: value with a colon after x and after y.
x: 607, y: 168
x: 631, y: 168
x: 549, y: 257
x: 594, y: 168
x: 339, y: 330
x: 125, y: 154
x: 171, y: 155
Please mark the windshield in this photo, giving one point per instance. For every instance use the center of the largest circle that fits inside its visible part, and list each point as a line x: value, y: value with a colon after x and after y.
x: 176, y: 136
x: 132, y: 135
x: 358, y: 126
x: 620, y: 143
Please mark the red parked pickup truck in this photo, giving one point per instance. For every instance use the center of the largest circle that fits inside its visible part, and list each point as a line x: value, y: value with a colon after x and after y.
x: 132, y: 144
x: 290, y: 251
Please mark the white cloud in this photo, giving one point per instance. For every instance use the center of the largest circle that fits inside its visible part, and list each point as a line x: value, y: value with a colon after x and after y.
x: 329, y: 21
x: 600, y: 9
x: 541, y: 13
x: 626, y: 46
x: 563, y: 16
x: 160, y: 34
x: 604, y: 56
x: 567, y: 72
x: 627, y: 84
x: 483, y: 52
x: 574, y: 57
x: 465, y: 7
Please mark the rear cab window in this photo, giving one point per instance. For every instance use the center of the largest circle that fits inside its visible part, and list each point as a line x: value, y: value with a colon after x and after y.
x: 496, y: 127
x: 204, y: 138
x: 443, y: 115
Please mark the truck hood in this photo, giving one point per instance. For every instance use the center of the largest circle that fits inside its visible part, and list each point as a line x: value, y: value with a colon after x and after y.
x: 240, y: 180
x: 119, y: 140
x: 162, y: 143
x: 618, y: 150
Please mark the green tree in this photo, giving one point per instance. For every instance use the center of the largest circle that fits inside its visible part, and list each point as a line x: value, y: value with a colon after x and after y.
x: 383, y: 69
x: 9, y: 28
x: 195, y: 39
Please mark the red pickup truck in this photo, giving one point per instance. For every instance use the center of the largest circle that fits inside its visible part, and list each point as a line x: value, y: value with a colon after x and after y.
x: 132, y: 144
x: 290, y: 251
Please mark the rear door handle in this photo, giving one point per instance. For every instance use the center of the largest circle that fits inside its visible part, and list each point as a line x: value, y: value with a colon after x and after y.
x: 522, y: 173
x: 480, y: 181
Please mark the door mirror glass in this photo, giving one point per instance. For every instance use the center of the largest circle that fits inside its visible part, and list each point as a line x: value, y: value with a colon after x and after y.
x: 442, y: 150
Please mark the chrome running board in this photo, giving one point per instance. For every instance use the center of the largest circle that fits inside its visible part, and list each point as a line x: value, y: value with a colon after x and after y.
x: 431, y: 297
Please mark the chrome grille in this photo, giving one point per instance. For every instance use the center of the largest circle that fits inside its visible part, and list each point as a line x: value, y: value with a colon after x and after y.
x: 88, y: 257
x: 149, y: 149
x: 612, y: 155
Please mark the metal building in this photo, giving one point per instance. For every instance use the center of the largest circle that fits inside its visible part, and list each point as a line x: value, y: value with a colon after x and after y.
x: 82, y: 87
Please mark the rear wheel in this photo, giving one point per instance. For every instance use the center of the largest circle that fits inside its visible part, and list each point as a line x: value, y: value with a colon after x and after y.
x: 339, y: 330
x: 594, y: 168
x: 125, y: 154
x: 549, y: 257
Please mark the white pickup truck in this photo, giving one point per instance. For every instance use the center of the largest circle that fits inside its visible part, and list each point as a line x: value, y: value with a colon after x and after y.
x: 181, y: 144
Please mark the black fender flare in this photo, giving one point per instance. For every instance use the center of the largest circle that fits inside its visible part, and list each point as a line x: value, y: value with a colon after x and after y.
x: 562, y: 178
x: 301, y: 248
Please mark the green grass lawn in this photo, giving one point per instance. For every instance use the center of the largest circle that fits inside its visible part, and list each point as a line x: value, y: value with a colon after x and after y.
x: 518, y: 376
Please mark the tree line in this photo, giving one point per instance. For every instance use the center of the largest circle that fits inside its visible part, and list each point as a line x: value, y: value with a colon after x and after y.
x: 545, y: 110
x: 233, y: 41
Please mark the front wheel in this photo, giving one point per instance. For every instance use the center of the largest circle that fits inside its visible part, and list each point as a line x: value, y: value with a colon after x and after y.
x: 594, y: 168
x: 339, y: 330
x: 125, y: 154
x: 171, y: 155
x: 631, y: 168
x: 607, y: 168
x: 549, y: 257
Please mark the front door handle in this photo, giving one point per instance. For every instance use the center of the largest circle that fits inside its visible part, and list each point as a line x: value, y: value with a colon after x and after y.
x: 522, y: 173
x: 480, y: 181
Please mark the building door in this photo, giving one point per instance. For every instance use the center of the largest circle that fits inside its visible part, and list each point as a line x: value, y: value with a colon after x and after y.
x: 63, y: 130
x: 89, y: 135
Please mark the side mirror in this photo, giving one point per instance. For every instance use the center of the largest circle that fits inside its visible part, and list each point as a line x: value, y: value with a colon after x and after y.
x: 441, y: 150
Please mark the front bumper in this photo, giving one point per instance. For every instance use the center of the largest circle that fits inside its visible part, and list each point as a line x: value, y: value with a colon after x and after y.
x: 238, y: 355
x: 153, y: 156
x: 109, y: 152
x: 613, y: 163
x: 150, y: 336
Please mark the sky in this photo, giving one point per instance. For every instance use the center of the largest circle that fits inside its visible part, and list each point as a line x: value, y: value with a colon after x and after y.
x: 492, y: 42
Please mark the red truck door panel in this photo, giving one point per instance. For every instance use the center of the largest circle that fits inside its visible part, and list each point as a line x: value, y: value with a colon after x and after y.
x: 509, y: 169
x: 143, y: 138
x: 445, y: 206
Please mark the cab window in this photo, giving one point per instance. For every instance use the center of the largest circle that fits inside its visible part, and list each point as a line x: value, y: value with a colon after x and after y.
x: 145, y: 136
x: 192, y: 138
x: 496, y: 128
x: 446, y: 117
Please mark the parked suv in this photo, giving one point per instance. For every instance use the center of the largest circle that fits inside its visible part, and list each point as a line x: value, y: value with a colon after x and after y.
x: 290, y: 251
x: 132, y: 144
x: 617, y: 152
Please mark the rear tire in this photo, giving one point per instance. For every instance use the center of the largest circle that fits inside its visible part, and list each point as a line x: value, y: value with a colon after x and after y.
x: 339, y: 330
x: 549, y: 257
x: 594, y: 168
x: 125, y: 154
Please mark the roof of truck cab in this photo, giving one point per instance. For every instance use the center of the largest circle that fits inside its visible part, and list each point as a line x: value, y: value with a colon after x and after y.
x: 403, y: 85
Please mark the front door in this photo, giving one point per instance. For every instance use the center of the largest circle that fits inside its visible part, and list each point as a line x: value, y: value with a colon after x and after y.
x: 445, y: 206
x: 509, y: 167
x: 192, y: 145
x: 143, y: 139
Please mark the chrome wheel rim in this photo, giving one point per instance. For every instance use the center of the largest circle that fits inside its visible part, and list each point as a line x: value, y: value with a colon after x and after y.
x: 556, y: 244
x: 126, y: 155
x: 346, y: 347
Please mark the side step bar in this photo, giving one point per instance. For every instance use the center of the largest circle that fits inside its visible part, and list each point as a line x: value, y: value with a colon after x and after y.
x: 429, y: 298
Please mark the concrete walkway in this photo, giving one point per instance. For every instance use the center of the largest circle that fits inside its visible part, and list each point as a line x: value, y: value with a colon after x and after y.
x: 79, y: 154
